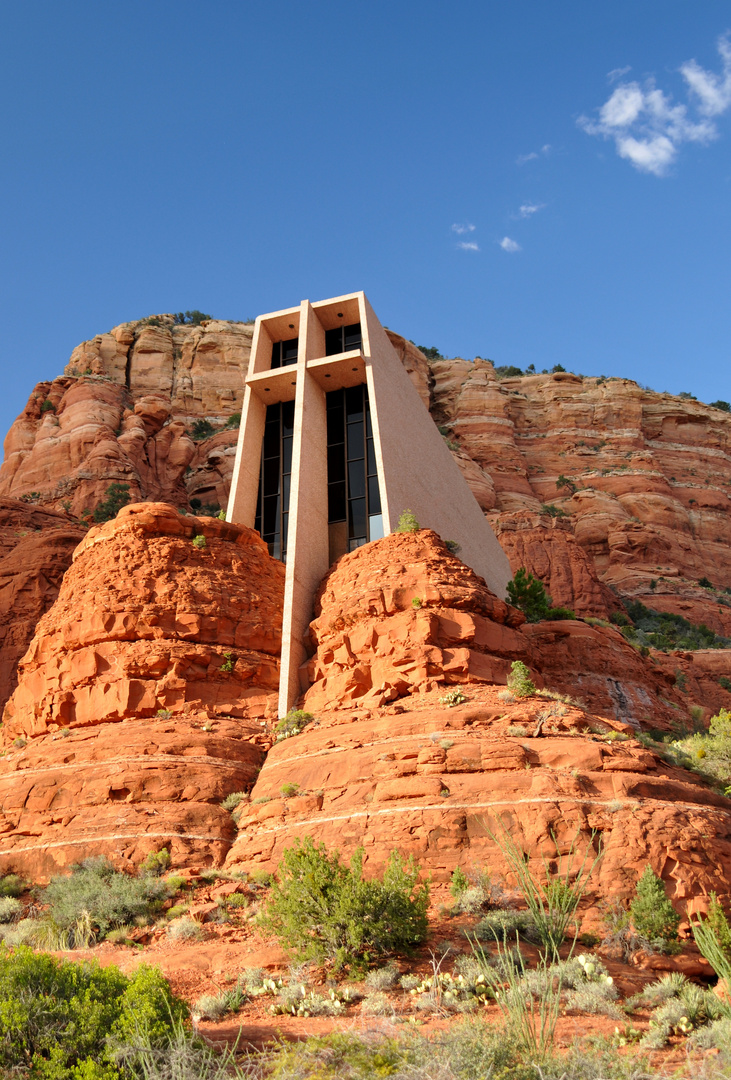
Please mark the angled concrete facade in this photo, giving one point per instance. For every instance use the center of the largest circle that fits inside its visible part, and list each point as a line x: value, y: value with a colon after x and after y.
x: 405, y: 463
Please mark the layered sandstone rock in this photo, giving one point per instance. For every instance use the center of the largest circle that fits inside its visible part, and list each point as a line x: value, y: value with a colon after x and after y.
x: 141, y: 699
x: 402, y: 614
x: 432, y: 781
x: 647, y: 476
x: 147, y: 620
x: 36, y: 547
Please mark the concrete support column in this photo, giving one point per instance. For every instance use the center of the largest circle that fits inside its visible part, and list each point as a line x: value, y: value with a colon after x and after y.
x: 307, y: 537
x: 245, y: 480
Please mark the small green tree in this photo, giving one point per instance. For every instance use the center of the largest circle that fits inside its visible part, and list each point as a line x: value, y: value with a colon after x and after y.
x: 519, y: 680
x: 529, y: 595
x: 564, y: 482
x: 191, y: 318
x: 653, y: 916
x: 407, y: 523
x: 202, y: 429
x: 117, y: 497
x: 320, y: 909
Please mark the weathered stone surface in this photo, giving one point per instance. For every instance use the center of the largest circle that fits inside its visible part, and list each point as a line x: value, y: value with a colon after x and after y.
x: 125, y: 790
x: 399, y: 615
x: 145, y: 620
x: 36, y: 547
x: 375, y: 785
x: 142, y: 697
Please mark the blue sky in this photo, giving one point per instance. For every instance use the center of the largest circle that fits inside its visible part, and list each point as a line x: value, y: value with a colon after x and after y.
x: 238, y: 156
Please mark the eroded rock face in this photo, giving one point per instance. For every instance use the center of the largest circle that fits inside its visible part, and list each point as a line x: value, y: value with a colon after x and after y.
x: 432, y: 781
x: 644, y: 479
x: 36, y: 547
x: 400, y: 614
x: 141, y: 699
x: 147, y: 620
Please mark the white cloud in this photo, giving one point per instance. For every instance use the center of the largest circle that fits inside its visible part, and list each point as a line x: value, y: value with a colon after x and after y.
x: 527, y: 210
x: 648, y: 129
x: 468, y: 245
x: 509, y: 245
x: 522, y: 158
x: 617, y: 73
x: 462, y: 229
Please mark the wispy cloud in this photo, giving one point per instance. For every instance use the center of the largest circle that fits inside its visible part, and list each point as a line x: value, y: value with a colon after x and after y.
x: 534, y: 155
x: 618, y: 73
x: 527, y: 210
x: 468, y: 245
x: 648, y: 129
x: 511, y: 246
x: 462, y: 229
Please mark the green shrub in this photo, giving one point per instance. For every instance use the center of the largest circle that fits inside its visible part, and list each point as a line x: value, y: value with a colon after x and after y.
x: 529, y: 595
x: 234, y: 420
x: 453, y: 697
x: 431, y: 353
x: 321, y: 909
x: 185, y: 929
x: 232, y: 801
x: 199, y: 542
x: 157, y: 862
x: 48, y: 406
x: 288, y: 790
x: 202, y: 429
x: 191, y: 318
x: 407, y: 523
x: 103, y: 895
x: 553, y: 511
x: 724, y: 682
x: 60, y: 1019
x: 117, y: 496
x: 710, y: 752
x: 293, y: 723
x: 724, y: 406
x: 653, y: 916
x: 228, y: 662
x: 508, y: 371
x: 666, y: 631
x: 459, y: 883
x: 519, y: 681
x: 10, y: 909
x: 11, y: 885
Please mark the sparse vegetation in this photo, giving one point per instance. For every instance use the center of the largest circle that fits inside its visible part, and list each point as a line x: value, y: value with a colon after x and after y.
x: 190, y: 318
x: 529, y: 595
x: 229, y: 663
x: 117, y: 496
x: 202, y: 429
x: 453, y: 697
x: 199, y: 542
x: 407, y: 523
x: 293, y: 723
x: 666, y: 631
x: 653, y: 916
x: 520, y: 684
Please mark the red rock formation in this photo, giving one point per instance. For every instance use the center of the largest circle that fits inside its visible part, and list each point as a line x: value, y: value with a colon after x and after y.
x: 125, y: 790
x: 145, y: 620
x: 141, y: 699
x: 431, y: 781
x: 35, y: 550
x: 401, y: 614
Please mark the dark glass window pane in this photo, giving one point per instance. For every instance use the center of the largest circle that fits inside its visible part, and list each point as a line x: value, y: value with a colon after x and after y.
x: 271, y: 476
x: 371, y: 457
x: 257, y: 519
x: 289, y: 351
x: 374, y: 496
x: 336, y: 502
x: 271, y: 440
x: 287, y: 417
x: 356, y: 479
x: 357, y: 522
x: 286, y: 455
x: 285, y: 529
x: 352, y: 335
x: 335, y: 464
x: 286, y: 481
x: 271, y: 516
x: 354, y: 403
x: 355, y: 440
x: 334, y: 341
x: 276, y: 549
x: 336, y: 424
x: 277, y: 354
